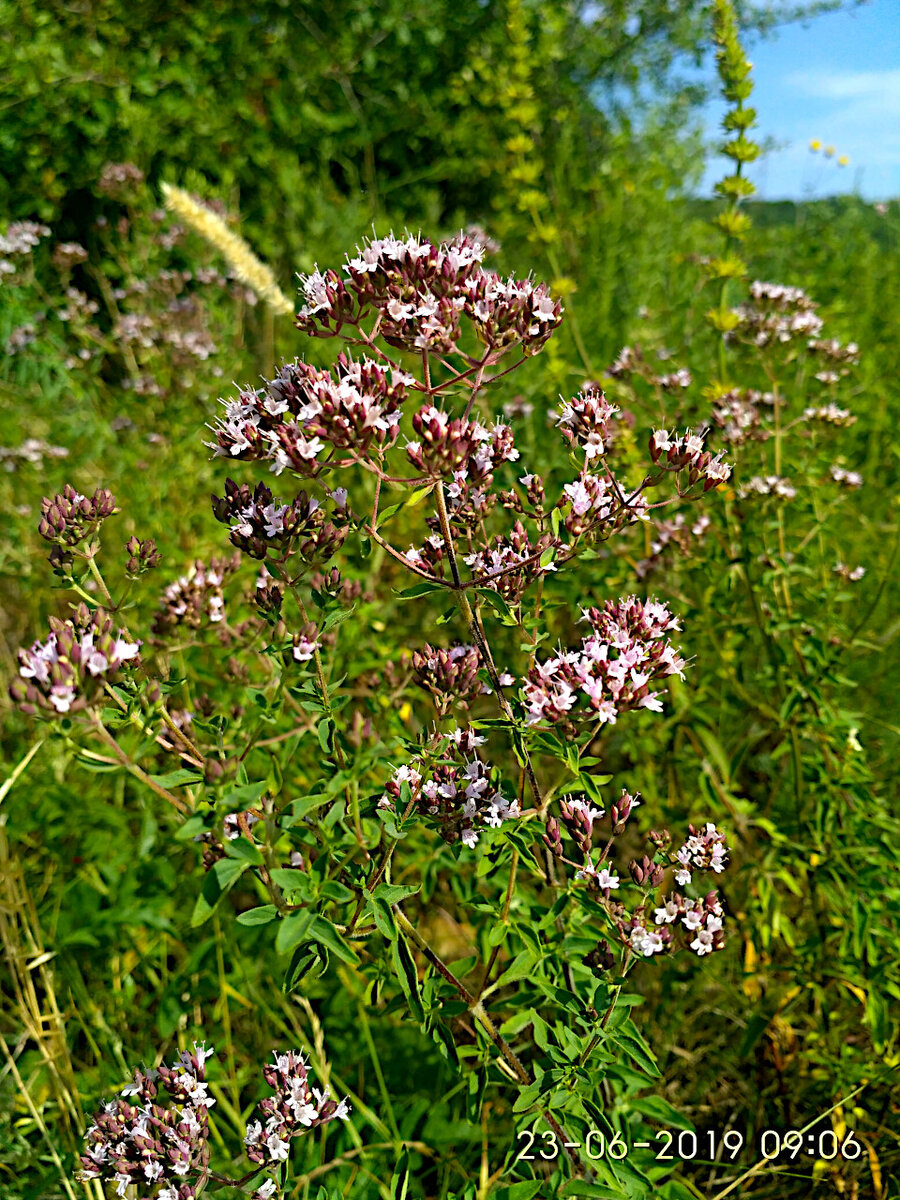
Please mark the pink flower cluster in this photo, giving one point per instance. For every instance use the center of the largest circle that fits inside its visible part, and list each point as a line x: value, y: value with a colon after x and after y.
x: 459, y: 447
x: 704, y: 850
x: 829, y: 414
x: 590, y: 503
x: 451, y: 676
x: 585, y: 422
x: 698, y: 922
x: 626, y: 651
x: 196, y: 598
x: 67, y: 671
x: 510, y: 562
x: 140, y: 1139
x: 296, y: 1106
x: 777, y: 314
x: 452, y: 788
x: 768, y: 485
x: 261, y: 525
x: 419, y: 291
x: 303, y: 410
x: 686, y: 453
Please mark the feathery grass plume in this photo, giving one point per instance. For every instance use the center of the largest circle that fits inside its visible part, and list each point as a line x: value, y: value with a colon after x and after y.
x: 243, y: 262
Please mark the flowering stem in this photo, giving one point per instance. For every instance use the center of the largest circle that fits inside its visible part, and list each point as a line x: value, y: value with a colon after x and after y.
x: 95, y: 571
x: 351, y: 798
x: 481, y: 642
x: 136, y: 771
x: 510, y: 886
x: 477, y: 1009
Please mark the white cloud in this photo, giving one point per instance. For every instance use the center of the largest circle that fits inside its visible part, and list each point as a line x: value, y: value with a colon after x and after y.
x: 879, y: 87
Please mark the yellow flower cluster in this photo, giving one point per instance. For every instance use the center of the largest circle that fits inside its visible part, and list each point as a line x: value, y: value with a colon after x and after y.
x: 243, y: 262
x: 815, y: 146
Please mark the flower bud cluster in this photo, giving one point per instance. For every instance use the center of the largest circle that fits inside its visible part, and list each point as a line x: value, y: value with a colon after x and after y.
x: 768, y: 485
x: 69, y: 518
x: 847, y: 479
x: 686, y: 452
x: 585, y: 421
x: 593, y: 505
x: 295, y: 1107
x: 830, y: 414
x: 675, y: 532
x: 451, y: 788
x: 705, y: 850
x: 67, y: 255
x: 677, y: 923
x: 419, y: 291
x: 578, y: 816
x: 20, y: 239
x: 737, y: 414
x: 511, y: 562
x: 120, y: 180
x: 261, y: 525
x: 429, y: 556
x: 290, y: 421
x: 143, y: 556
x: 451, y: 676
x: 196, y: 598
x: 31, y: 450
x: 674, y: 921
x: 776, y: 314
x: 625, y: 653
x: 850, y: 574
x: 459, y: 447
x: 632, y: 362
x: 145, y: 1140
x: 66, y: 673
x: 833, y: 352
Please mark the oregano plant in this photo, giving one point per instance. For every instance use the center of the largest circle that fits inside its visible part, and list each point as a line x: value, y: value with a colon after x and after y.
x: 494, y: 792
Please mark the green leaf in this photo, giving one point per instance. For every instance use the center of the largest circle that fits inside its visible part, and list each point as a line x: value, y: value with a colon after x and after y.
x: 637, y: 1049
x: 661, y: 1110
x: 419, y: 589
x: 395, y: 893
x: 190, y: 829
x: 337, y: 618
x: 219, y: 879
x: 325, y: 731
x: 240, y: 848
x: 400, y: 1177
x: 521, y: 966
x: 384, y: 918
x: 581, y: 1188
x: 526, y: 1190
x: 324, y: 932
x: 293, y: 930
x: 245, y: 795
x: 290, y: 878
x: 177, y: 778
x: 496, y: 601
x: 408, y: 976
x: 332, y: 890
x: 258, y: 916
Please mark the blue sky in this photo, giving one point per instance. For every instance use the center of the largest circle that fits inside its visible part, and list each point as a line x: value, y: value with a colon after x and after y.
x: 838, y: 80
